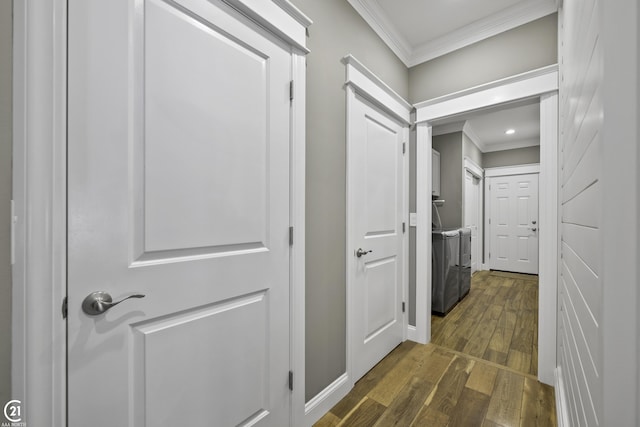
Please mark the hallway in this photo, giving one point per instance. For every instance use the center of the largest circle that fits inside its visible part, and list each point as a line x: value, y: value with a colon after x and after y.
x: 497, y: 321
x: 428, y: 385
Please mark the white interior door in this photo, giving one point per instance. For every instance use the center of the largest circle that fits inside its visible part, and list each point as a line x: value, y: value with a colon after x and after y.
x: 513, y: 223
x: 472, y: 216
x: 375, y: 192
x: 178, y: 189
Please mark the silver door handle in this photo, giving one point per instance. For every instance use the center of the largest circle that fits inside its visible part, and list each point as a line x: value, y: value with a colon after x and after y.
x: 99, y: 302
x: 360, y: 252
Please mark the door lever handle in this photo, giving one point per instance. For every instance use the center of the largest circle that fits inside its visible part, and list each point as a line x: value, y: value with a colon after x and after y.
x: 360, y: 252
x: 99, y: 302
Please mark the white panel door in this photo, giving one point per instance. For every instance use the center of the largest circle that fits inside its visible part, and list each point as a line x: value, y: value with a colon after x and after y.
x: 376, y: 196
x: 514, y: 223
x: 178, y: 190
x: 472, y: 216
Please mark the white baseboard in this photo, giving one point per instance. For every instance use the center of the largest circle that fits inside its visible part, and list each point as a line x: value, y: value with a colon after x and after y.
x: 412, y: 333
x: 484, y: 267
x: 326, y: 399
x: 561, y: 400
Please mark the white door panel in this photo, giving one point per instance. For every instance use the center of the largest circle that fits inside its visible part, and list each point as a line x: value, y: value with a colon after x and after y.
x: 179, y: 190
x: 376, y: 226
x: 514, y: 223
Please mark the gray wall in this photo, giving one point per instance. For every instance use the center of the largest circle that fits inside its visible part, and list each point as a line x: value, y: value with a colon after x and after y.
x: 450, y: 148
x: 6, y: 62
x: 521, y: 49
x: 337, y: 30
x: 517, y: 156
x: 471, y: 150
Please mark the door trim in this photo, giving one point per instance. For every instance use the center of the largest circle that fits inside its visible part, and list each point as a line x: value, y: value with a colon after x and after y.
x: 362, y: 82
x: 40, y: 199
x: 39, y: 193
x: 478, y: 172
x: 512, y: 170
x: 543, y: 84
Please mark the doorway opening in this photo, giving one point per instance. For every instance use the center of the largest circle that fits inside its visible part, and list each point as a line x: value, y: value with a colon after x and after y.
x: 538, y: 85
x: 494, y: 316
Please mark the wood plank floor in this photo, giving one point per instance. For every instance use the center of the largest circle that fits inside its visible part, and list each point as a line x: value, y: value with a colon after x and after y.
x: 432, y: 386
x: 497, y: 321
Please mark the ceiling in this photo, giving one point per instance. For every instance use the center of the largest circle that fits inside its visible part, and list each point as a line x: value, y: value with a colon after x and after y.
x: 487, y: 128
x: 420, y: 30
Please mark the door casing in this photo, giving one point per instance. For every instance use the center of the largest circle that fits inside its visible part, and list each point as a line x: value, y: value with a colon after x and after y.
x: 541, y: 83
x: 477, y: 172
x: 362, y: 82
x: 39, y: 196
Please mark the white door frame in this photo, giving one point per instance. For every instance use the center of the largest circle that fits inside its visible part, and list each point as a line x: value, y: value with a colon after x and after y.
x: 543, y: 84
x: 504, y: 171
x: 39, y: 195
x: 361, y: 81
x: 474, y: 169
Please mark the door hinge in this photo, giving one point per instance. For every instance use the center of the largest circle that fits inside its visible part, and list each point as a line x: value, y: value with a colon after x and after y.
x: 290, y: 236
x: 404, y: 227
x: 489, y: 255
x: 489, y: 221
x: 404, y: 147
x: 64, y: 308
x: 403, y: 306
x: 291, y: 90
x: 14, y: 222
x: 291, y: 380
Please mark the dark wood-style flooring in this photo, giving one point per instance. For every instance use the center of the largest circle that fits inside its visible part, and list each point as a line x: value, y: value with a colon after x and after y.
x: 479, y: 370
x: 431, y: 386
x: 497, y: 321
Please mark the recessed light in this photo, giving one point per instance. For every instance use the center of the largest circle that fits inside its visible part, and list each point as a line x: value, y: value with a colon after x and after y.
x: 510, y: 131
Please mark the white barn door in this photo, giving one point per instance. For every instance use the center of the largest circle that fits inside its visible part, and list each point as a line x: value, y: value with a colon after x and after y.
x: 513, y: 223
x: 178, y: 190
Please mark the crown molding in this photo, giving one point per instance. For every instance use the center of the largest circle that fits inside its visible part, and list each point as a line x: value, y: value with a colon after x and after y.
x: 473, y: 136
x: 511, y: 145
x: 448, y: 128
x: 378, y: 21
x: 489, y: 147
x: 507, y: 19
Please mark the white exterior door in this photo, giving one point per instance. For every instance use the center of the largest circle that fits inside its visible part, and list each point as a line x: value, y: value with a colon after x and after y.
x: 178, y: 189
x: 472, y: 216
x: 375, y: 183
x: 514, y: 223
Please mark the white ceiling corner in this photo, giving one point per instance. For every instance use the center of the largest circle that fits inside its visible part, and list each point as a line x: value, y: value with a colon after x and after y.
x: 473, y: 136
x: 391, y: 32
x: 374, y: 16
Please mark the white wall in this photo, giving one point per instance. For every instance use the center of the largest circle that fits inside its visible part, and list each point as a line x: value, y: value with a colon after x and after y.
x: 597, y: 301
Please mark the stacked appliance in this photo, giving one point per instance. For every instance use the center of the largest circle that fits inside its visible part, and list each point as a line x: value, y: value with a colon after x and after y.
x: 450, y: 266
